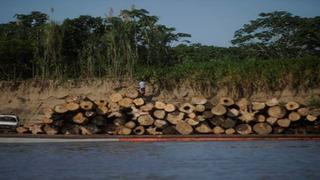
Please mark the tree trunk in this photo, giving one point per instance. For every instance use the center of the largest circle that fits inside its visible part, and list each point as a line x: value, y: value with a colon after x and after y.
x: 169, y: 108
x: 261, y: 118
x: 116, y: 97
x: 145, y: 120
x: 138, y: 101
x: 200, y: 108
x: 175, y: 117
x: 122, y: 130
x: 272, y: 102
x: 192, y: 122
x: 79, y: 118
x: 218, y: 130
x: 22, y: 130
x: 187, y: 108
x: 160, y: 123
x: 226, y: 101
x: 72, y: 106
x: 244, y: 129
x: 258, y: 106
x: 125, y: 102
x: 132, y: 93
x: 50, y: 130
x: 130, y: 124
x: 277, y: 112
x: 159, y: 105
x: 198, y: 100
x: 139, y: 130
x: 184, y: 128
x: 36, y: 128
x: 159, y: 114
x: 294, y: 116
x: 272, y: 120
x: 203, y: 128
x: 153, y: 131
x: 284, y: 123
x: 230, y: 131
x: 47, y: 120
x: 219, y: 110
x: 262, y: 128
x: 102, y: 110
x: 146, y: 108
x: 292, y: 106
x: 232, y: 112
x: 60, y: 108
x: 86, y: 105
x: 303, y: 111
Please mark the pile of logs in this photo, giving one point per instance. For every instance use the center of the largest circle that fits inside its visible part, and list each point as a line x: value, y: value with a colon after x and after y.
x: 128, y: 113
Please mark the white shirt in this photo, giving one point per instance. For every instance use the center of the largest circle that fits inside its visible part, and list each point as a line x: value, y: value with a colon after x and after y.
x: 142, y: 84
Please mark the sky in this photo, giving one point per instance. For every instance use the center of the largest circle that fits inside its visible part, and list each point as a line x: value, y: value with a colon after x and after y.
x: 210, y: 22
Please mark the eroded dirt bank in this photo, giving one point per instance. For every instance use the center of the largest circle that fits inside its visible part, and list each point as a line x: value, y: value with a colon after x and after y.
x: 27, y: 98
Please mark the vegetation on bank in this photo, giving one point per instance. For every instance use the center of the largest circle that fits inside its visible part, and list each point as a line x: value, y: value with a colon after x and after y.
x: 273, y: 51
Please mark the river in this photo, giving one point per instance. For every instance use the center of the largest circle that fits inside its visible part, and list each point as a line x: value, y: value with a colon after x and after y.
x: 161, y: 160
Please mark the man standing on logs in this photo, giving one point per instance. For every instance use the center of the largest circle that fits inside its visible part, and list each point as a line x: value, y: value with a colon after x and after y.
x: 142, y: 87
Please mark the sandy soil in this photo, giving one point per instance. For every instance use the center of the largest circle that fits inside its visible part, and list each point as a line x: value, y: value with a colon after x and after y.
x: 26, y: 99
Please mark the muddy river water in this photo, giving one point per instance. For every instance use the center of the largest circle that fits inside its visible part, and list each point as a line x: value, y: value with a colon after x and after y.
x: 161, y: 160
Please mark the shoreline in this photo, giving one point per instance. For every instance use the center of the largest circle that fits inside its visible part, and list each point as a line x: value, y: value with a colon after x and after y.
x: 42, y: 138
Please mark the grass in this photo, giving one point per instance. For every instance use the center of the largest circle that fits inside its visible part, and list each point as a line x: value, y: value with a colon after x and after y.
x: 258, y: 74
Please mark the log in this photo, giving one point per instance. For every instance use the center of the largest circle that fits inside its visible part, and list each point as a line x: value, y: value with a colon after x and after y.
x: 89, y: 114
x: 58, y: 123
x: 47, y: 120
x: 85, y: 131
x: 125, y: 102
x: 99, y: 120
x: 292, y: 105
x: 203, y: 128
x: 169, y: 130
x: 283, y: 123
x: 192, y: 115
x: 226, y: 101
x: 115, y: 115
x: 278, y: 130
x: 277, y: 112
x: 187, y: 108
x: 262, y: 128
x: 68, y: 129
x: 60, y: 108
x: 244, y: 129
x: 261, y: 118
x: 50, y: 130
x: 272, y: 102
x: 311, y: 118
x: 198, y: 100
x: 114, y: 107
x: 36, y: 128
x: 145, y: 120
x: 86, y: 105
x: 258, y: 106
x: 228, y: 123
x: 102, y: 110
x: 184, y: 128
x: 200, y: 118
x: 139, y: 130
x: 122, y: 130
x: 218, y: 130
x: 247, y: 117
x: 272, y: 120
x: 219, y: 110
x: 72, y: 98
x: 130, y: 124
x: 170, y: 107
x: 116, y: 97
x: 160, y: 123
x: 233, y: 112
x: 294, y: 116
x: 47, y: 112
x: 22, y: 130
x: 243, y: 104
x: 303, y: 111
x: 200, y: 108
x: 138, y: 101
x: 101, y: 102
x: 191, y: 121
x: 148, y: 107
x: 216, y: 121
x: 230, y: 131
x: 153, y: 131
x: 79, y: 118
x: 314, y: 112
x: 132, y: 93
x: 159, y: 114
x: 119, y: 121
x: 159, y: 105
x: 207, y: 114
x: 174, y: 117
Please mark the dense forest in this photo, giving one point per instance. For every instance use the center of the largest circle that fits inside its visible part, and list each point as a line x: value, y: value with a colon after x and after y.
x: 274, y: 50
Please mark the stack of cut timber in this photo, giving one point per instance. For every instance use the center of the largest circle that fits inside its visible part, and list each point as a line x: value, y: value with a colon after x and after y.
x: 128, y: 114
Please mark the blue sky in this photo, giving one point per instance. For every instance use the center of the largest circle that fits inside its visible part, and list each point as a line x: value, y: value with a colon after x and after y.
x: 210, y: 22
